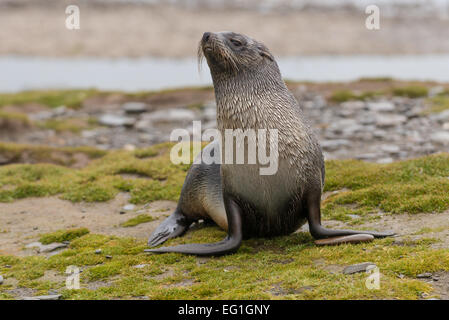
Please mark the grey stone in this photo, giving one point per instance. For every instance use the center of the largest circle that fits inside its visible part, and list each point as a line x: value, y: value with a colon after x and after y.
x: 112, y: 120
x: 134, y: 107
x: 381, y: 106
x: 385, y: 160
x: 414, y: 112
x: 210, y: 113
x: 355, y: 268
x: 46, y: 248
x: 129, y: 207
x: 441, y: 137
x: 171, y: 115
x: 4, y: 159
x: 47, y: 297
x: 346, y: 112
x: 442, y: 116
x: 140, y: 266
x: 60, y: 111
x: 367, y: 156
x: 98, y: 251
x: 354, y: 105
x: 390, y: 120
x: 39, y: 116
x: 52, y: 247
x: 436, y: 90
x: 390, y: 148
x: 424, y: 275
x: 334, y: 144
x: 1, y: 280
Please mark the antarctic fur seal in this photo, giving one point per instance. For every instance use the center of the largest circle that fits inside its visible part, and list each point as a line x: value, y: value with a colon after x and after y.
x: 250, y: 94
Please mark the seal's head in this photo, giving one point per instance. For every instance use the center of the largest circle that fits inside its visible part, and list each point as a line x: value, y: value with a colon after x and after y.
x: 230, y: 52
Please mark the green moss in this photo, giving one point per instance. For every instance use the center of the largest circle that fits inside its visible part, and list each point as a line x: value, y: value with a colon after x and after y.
x: 412, y: 186
x: 411, y: 91
x: 18, y: 153
x: 141, y: 218
x: 63, y: 235
x: 13, y: 117
x: 146, y: 153
x: 73, y: 125
x: 343, y: 95
x: 340, y: 96
x: 51, y: 98
x: 438, y: 104
x: 278, y: 268
x: 99, y: 181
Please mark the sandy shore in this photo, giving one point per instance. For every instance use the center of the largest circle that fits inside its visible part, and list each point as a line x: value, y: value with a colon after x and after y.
x: 134, y: 31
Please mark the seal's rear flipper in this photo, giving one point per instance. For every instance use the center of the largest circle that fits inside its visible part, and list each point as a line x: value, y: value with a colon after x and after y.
x: 174, y: 226
x: 331, y: 237
x: 356, y: 238
x: 229, y: 245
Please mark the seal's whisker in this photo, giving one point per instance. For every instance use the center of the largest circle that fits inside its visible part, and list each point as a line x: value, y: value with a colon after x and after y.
x: 200, y: 56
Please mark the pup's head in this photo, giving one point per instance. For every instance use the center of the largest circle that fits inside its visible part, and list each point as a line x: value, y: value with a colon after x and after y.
x: 230, y: 52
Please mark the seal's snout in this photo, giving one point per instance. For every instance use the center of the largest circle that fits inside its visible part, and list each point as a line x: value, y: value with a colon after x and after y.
x: 206, y: 37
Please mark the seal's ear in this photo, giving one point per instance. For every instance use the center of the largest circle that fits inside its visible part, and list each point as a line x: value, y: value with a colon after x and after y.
x: 263, y: 51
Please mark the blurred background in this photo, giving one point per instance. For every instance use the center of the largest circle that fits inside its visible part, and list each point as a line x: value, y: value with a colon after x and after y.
x: 129, y: 75
x: 152, y: 44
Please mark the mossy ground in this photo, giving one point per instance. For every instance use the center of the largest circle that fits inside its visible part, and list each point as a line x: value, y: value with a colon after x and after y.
x: 289, y: 267
x: 141, y: 218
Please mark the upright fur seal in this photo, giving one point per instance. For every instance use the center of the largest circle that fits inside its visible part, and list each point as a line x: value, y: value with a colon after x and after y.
x: 250, y: 94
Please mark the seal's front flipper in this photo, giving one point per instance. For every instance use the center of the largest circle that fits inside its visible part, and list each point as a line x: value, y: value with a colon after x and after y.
x: 174, y: 226
x: 229, y: 245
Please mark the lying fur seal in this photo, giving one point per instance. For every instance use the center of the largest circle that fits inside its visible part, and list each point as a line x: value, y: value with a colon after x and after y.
x: 250, y: 94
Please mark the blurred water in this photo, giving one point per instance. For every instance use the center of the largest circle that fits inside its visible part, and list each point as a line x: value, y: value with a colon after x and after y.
x: 388, y: 7
x: 25, y: 73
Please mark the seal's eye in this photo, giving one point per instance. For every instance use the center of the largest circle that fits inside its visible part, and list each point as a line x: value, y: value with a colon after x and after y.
x: 236, y: 42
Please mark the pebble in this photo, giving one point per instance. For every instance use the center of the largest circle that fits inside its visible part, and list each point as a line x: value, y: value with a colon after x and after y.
x: 379, y: 130
x: 334, y: 144
x: 355, y: 268
x: 129, y: 147
x: 385, y: 160
x: 424, y: 275
x: 112, y: 120
x: 47, y: 297
x: 442, y: 116
x: 440, y: 137
x: 1, y: 279
x: 390, y: 120
x: 382, y: 106
x: 390, y: 148
x: 129, y: 207
x: 171, y: 115
x: 134, y: 107
x: 98, y: 251
x: 354, y: 105
x: 46, y: 248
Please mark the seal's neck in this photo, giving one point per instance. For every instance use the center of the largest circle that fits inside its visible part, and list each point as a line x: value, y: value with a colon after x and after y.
x: 246, y: 99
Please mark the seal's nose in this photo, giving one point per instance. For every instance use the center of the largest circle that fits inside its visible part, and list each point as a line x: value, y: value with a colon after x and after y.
x: 206, y: 37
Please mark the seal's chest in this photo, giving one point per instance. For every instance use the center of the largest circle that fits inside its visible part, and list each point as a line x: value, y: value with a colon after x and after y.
x: 265, y: 193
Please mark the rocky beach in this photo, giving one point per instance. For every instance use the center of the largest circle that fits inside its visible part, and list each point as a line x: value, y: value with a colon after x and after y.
x: 374, y: 120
